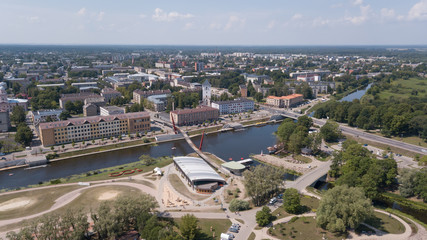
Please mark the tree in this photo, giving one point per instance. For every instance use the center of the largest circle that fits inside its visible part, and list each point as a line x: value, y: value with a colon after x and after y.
x: 64, y: 115
x: 18, y: 115
x: 147, y: 160
x: 330, y: 131
x: 24, y: 135
x: 291, y: 201
x: 420, y: 188
x: 343, y: 207
x: 188, y: 227
x: 407, y: 182
x: 263, y: 217
x: 305, y: 121
x: 262, y: 182
x: 238, y: 205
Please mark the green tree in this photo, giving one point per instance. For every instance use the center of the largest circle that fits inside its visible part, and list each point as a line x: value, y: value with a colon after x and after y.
x: 238, y: 205
x: 420, y: 188
x: 305, y: 121
x: 330, y: 131
x: 263, y: 217
x: 24, y: 135
x: 262, y: 182
x: 18, y: 115
x: 291, y: 201
x: 407, y: 179
x: 147, y: 160
x: 188, y: 227
x: 343, y: 207
x: 64, y: 115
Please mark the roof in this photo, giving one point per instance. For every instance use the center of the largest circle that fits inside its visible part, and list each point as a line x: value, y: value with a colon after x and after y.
x: 93, y: 119
x: 239, y: 100
x: 233, y: 165
x: 206, y: 83
x: 193, y: 110
x: 196, y: 169
x: 292, y: 96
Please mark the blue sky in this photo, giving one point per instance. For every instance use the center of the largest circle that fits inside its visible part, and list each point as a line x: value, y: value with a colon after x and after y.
x: 219, y: 22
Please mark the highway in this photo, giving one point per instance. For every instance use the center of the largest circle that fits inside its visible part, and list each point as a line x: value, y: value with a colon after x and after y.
x: 354, y: 132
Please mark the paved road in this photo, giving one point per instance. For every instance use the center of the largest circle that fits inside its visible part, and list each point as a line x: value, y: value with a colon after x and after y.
x: 355, y: 132
x: 307, y: 179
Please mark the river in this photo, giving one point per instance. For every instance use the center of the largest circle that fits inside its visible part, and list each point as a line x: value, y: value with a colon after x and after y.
x: 356, y: 95
x: 235, y: 145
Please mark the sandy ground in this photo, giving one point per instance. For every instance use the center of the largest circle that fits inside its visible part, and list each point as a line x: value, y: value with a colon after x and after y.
x: 108, y: 195
x: 15, y: 203
x: 289, y: 162
x: 171, y: 199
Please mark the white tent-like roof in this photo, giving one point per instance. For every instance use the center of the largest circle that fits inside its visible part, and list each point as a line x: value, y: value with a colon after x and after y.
x: 196, y: 169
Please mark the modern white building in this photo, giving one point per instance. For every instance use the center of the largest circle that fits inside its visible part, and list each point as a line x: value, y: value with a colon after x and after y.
x: 111, y: 110
x: 234, y: 106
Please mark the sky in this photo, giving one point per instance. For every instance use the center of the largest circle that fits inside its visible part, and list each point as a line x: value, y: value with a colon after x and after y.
x: 219, y: 22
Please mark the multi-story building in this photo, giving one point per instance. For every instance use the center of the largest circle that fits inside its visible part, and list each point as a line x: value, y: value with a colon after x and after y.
x: 74, y: 97
x: 158, y: 102
x: 206, y: 93
x: 7, y: 104
x: 254, y: 78
x: 199, y: 66
x: 88, y: 128
x: 194, y: 115
x: 235, y: 106
x: 109, y: 93
x: 110, y: 110
x: 4, y: 121
x: 139, y: 95
x: 285, y: 101
x: 43, y: 115
x: 90, y: 109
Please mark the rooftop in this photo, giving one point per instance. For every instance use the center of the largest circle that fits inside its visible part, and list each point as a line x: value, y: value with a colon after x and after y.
x: 196, y: 169
x: 292, y: 96
x: 233, y: 165
x: 194, y: 110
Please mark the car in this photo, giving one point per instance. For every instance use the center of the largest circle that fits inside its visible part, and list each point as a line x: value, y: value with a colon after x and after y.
x: 2, y: 153
x: 280, y: 195
x: 3, y: 158
x: 235, y: 225
x: 230, y: 236
x: 235, y: 230
x: 273, y: 200
x: 365, y: 145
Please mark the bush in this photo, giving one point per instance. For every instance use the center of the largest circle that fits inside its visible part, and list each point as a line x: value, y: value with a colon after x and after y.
x: 55, y: 181
x: 238, y: 205
x: 51, y: 156
x: 293, y: 219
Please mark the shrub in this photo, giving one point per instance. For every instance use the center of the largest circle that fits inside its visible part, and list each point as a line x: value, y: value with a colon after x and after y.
x: 238, y: 205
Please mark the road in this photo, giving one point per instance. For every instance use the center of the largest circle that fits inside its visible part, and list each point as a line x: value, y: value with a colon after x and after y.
x: 309, y: 178
x: 354, y: 132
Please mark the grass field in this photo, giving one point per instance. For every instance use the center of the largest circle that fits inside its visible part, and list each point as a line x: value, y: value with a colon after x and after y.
x: 179, y: 186
x: 403, y: 88
x: 104, y: 173
x: 218, y: 226
x: 310, y: 203
x: 40, y: 200
x: 252, y: 236
x: 411, y: 140
x: 304, y: 228
x: 386, y: 223
x: 302, y: 158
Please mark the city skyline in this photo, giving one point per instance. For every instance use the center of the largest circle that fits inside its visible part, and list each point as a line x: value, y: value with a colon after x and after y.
x: 326, y: 22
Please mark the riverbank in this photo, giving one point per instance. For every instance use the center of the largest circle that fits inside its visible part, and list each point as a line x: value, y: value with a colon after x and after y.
x: 77, y: 153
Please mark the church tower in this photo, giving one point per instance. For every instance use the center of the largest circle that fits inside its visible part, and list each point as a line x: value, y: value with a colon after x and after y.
x: 206, y: 93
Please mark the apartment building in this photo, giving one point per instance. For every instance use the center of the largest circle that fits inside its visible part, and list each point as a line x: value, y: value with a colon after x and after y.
x: 194, y: 115
x: 74, y: 97
x: 139, y: 95
x: 234, y: 106
x: 109, y: 93
x: 285, y: 101
x: 88, y: 128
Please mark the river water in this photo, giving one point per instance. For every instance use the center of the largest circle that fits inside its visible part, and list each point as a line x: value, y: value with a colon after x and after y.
x: 356, y: 95
x: 235, y: 145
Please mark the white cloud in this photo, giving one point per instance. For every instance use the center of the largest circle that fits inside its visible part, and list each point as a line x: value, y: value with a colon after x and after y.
x: 387, y: 13
x: 418, y: 11
x: 33, y: 19
x: 296, y: 16
x: 234, y: 21
x: 142, y: 15
x: 100, y: 16
x: 318, y: 22
x: 81, y: 12
x: 365, y: 12
x: 162, y: 16
x: 357, y: 2
x: 271, y: 24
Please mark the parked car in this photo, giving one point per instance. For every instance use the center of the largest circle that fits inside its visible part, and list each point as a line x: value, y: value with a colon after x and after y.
x: 235, y: 230
x: 235, y: 225
x: 273, y: 200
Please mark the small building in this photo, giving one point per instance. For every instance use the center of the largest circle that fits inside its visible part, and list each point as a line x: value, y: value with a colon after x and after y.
x: 111, y: 110
x: 74, y: 97
x: 285, y: 101
x: 158, y: 102
x: 109, y: 93
x: 139, y: 95
x: 234, y: 106
x: 199, y: 175
x: 90, y: 109
x: 42, y: 115
x: 235, y: 168
x: 194, y: 115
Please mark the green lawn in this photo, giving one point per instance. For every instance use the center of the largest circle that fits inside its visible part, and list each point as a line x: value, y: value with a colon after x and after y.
x: 38, y: 201
x: 179, y: 186
x: 304, y: 228
x: 218, y: 226
x: 385, y: 223
x: 302, y: 158
x: 252, y: 236
x: 403, y: 88
x: 309, y: 203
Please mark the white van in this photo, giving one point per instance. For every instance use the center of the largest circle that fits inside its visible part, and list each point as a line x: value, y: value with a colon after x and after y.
x: 225, y: 236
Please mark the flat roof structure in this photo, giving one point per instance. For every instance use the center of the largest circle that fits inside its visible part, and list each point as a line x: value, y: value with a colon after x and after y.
x: 234, y: 165
x: 197, y: 171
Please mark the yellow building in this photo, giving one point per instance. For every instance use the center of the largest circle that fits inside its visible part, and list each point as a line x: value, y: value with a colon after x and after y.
x: 88, y: 128
x: 285, y: 101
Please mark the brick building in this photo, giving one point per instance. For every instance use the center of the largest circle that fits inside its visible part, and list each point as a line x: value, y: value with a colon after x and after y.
x: 285, y: 101
x: 194, y: 115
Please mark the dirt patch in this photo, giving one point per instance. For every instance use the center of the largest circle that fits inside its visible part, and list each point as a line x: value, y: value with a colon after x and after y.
x: 109, y: 195
x: 15, y: 203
